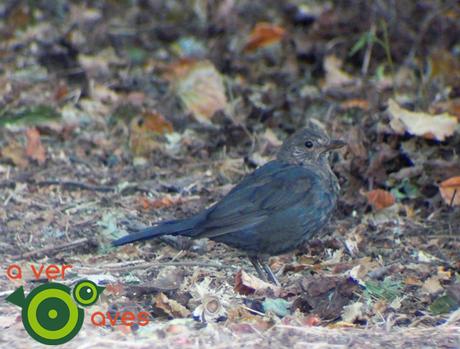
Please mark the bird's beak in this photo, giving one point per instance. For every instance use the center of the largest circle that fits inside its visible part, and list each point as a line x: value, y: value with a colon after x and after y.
x: 335, y: 144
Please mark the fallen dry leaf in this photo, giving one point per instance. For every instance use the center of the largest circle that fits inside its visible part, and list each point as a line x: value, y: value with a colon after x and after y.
x: 380, y: 199
x: 170, y: 306
x: 451, y: 106
x: 34, y: 148
x: 326, y: 296
x: 15, y: 152
x: 200, y: 87
x: 352, y: 312
x: 264, y: 34
x: 248, y: 284
x: 165, y: 201
x: 432, y: 285
x: 312, y: 320
x: 355, y: 103
x: 450, y: 191
x: 422, y: 124
x: 445, y: 66
x: 61, y: 92
x: 146, y: 132
x: 335, y: 76
x: 412, y: 281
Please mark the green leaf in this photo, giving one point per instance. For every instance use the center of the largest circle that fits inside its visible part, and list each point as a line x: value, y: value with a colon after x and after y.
x: 405, y: 190
x: 386, y: 289
x: 29, y: 116
x: 443, y: 305
x: 363, y: 40
x: 137, y: 55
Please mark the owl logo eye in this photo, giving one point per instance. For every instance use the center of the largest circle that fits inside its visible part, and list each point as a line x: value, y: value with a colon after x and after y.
x: 308, y: 144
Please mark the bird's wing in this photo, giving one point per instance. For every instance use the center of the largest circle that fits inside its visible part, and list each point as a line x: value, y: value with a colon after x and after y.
x: 273, y: 187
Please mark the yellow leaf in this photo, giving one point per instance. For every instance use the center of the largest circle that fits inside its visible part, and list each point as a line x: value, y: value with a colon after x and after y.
x: 335, y: 76
x: 15, y: 152
x: 422, y: 124
x: 200, y: 87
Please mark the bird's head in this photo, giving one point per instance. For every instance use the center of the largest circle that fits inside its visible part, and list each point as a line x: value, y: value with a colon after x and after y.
x: 308, y: 145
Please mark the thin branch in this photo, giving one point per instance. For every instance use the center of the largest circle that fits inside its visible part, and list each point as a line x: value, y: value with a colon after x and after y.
x: 54, y: 249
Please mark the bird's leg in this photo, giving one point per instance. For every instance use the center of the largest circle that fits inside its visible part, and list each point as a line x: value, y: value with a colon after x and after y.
x: 271, y: 277
x: 256, y: 263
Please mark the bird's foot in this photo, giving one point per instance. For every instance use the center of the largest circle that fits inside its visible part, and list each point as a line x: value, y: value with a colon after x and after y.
x: 264, y: 271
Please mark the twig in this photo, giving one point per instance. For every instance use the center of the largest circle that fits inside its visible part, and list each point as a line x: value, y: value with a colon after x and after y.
x: 368, y: 53
x: 453, y: 198
x: 54, y: 249
x: 128, y: 266
x: 76, y: 185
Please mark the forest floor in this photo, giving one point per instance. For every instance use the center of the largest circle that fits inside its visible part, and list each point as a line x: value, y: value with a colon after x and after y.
x: 116, y: 115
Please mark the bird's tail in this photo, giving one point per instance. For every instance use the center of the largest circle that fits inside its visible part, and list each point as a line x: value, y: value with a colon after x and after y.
x: 175, y: 227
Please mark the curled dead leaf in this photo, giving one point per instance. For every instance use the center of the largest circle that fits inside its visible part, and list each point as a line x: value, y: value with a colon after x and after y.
x: 165, y: 201
x: 450, y: 191
x: 312, y: 320
x: 15, y: 153
x: 147, y: 131
x: 170, y: 306
x: 34, y: 148
x: 264, y: 34
x: 248, y: 284
x: 352, y: 312
x: 199, y: 86
x: 355, y: 103
x: 432, y: 285
x: 335, y: 76
x: 380, y: 199
x: 422, y: 124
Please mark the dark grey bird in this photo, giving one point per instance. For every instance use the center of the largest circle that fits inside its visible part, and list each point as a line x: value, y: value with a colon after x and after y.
x: 271, y: 211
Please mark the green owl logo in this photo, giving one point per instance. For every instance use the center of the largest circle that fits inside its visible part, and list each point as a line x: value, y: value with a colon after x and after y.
x: 50, y: 315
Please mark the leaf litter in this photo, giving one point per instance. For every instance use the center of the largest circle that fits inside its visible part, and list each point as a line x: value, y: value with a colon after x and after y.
x: 96, y: 140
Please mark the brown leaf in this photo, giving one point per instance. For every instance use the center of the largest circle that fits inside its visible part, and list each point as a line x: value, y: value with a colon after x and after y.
x: 248, y: 284
x: 312, y: 320
x: 327, y: 295
x: 412, y: 281
x: 264, y: 34
x: 15, y: 152
x: 380, y: 199
x: 34, y: 148
x: 355, y: 103
x: 432, y: 285
x: 450, y: 191
x: 61, y: 92
x: 170, y: 306
x: 147, y: 132
x: 165, y: 201
x: 452, y: 106
x: 446, y: 66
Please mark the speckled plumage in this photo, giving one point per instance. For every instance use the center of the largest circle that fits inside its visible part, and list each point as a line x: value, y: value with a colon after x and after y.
x: 272, y: 210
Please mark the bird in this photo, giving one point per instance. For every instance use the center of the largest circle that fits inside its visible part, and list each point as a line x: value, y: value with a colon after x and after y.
x: 273, y: 210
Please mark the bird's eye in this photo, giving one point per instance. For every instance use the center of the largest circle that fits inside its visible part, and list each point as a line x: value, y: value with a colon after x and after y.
x: 308, y: 144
